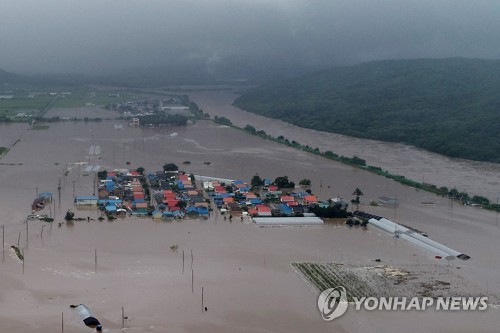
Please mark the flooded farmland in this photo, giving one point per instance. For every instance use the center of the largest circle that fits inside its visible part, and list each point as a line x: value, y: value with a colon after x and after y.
x: 245, y: 271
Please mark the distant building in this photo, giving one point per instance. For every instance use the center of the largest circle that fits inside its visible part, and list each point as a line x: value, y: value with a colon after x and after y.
x: 85, y: 200
x: 6, y: 96
x: 387, y: 201
x: 135, y: 122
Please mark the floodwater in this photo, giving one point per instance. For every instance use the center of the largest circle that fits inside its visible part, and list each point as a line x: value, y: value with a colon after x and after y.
x: 475, y: 178
x: 245, y: 272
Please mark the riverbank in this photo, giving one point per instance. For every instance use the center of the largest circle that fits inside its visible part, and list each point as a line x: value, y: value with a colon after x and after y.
x: 443, y: 191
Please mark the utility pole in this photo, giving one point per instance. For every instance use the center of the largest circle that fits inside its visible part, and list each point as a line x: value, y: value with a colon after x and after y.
x: 3, y: 243
x: 27, y: 235
x: 59, y: 192
x: 202, y: 305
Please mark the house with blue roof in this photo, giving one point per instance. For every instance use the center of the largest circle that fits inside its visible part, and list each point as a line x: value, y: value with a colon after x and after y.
x: 110, y: 209
x: 167, y: 215
x: 285, y: 209
x: 203, y: 211
x: 191, y: 210
x: 85, y: 200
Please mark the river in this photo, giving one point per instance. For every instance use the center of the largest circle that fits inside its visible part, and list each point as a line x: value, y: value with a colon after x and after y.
x: 475, y: 178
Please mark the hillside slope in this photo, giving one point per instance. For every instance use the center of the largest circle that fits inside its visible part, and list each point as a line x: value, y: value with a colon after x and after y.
x: 449, y: 106
x: 7, y: 77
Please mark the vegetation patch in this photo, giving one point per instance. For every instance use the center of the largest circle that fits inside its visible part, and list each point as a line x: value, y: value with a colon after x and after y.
x: 18, y: 252
x: 3, y: 151
x: 40, y: 127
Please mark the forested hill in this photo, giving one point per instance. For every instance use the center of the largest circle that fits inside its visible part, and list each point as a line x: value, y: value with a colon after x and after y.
x: 448, y: 106
x: 6, y: 78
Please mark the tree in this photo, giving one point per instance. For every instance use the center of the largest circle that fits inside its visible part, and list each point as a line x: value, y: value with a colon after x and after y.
x: 140, y: 170
x: 223, y: 120
x: 262, y: 133
x: 480, y: 200
x: 305, y: 182
x: 281, y: 182
x: 181, y: 204
x: 256, y: 181
x: 250, y: 128
x: 102, y: 174
x: 357, y: 192
x: 453, y: 193
x: 170, y: 167
x: 69, y: 215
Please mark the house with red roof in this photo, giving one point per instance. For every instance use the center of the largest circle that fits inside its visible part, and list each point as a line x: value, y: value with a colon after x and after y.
x: 287, y: 198
x: 310, y: 200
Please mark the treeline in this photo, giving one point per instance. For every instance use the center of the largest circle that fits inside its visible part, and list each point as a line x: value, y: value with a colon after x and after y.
x: 448, y: 106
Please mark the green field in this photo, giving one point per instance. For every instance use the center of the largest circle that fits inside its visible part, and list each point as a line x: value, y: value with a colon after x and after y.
x: 40, y: 127
x: 80, y: 98
x: 30, y: 100
x: 21, y: 103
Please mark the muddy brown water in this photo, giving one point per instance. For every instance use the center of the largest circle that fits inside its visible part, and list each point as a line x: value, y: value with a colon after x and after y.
x: 249, y: 285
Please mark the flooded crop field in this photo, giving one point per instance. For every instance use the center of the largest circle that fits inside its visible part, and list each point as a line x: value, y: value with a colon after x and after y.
x: 249, y: 284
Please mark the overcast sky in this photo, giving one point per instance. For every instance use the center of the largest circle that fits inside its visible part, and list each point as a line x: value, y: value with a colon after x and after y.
x: 97, y: 36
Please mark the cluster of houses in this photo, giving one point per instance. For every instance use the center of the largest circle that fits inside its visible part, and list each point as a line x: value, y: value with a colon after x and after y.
x: 174, y: 195
x: 119, y: 193
x: 136, y: 108
x: 177, y: 196
x: 160, y: 195
x: 238, y: 199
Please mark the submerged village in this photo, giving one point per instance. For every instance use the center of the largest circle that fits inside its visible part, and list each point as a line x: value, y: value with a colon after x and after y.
x: 171, y: 193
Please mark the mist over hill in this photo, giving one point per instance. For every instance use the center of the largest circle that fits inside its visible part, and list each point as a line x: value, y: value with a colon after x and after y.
x: 449, y: 106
